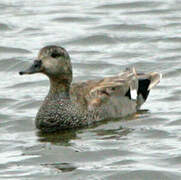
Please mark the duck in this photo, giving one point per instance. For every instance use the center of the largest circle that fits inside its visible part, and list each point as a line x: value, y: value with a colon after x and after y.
x: 73, y: 105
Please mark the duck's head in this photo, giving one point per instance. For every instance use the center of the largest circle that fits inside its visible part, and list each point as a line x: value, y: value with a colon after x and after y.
x: 53, y: 61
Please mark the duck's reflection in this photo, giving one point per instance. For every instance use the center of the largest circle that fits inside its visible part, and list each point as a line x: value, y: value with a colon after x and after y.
x: 59, y: 138
x: 109, y: 128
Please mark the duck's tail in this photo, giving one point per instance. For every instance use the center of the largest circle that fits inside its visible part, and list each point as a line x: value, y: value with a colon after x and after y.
x: 145, y: 83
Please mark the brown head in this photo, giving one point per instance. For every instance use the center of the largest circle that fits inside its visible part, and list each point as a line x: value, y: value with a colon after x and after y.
x: 54, y: 61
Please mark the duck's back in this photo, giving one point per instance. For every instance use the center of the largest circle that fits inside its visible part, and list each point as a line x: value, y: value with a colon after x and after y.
x: 111, y: 95
x: 124, y: 93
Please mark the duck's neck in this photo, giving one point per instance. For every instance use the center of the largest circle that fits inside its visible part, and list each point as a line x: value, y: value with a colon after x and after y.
x: 59, y: 88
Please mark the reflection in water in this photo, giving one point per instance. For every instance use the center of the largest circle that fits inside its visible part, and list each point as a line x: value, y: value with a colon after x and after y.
x: 60, y: 138
x: 113, y: 133
x: 63, y: 167
x: 63, y: 137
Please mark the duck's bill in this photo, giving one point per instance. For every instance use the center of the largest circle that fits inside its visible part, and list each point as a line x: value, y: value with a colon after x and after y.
x: 35, y: 68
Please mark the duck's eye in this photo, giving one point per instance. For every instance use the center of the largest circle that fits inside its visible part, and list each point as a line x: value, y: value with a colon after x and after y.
x: 55, y: 54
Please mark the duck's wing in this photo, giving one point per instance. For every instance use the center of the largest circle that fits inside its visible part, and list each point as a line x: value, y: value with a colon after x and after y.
x: 146, y: 81
x: 93, y: 94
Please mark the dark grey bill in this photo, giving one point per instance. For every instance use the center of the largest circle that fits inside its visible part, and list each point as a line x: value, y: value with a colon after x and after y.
x: 35, y: 68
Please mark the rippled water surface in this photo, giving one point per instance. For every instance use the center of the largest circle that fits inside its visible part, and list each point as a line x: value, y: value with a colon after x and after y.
x: 102, y: 37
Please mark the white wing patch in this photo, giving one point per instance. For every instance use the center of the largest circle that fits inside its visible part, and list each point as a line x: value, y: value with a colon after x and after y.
x: 134, y: 94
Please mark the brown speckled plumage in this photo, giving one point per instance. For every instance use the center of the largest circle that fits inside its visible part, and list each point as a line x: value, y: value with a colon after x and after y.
x: 74, y: 105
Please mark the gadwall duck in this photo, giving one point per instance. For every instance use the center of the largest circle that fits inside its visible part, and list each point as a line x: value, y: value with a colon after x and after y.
x: 72, y: 105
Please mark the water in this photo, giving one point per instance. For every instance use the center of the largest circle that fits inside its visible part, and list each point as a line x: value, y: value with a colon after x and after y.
x: 103, y: 38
